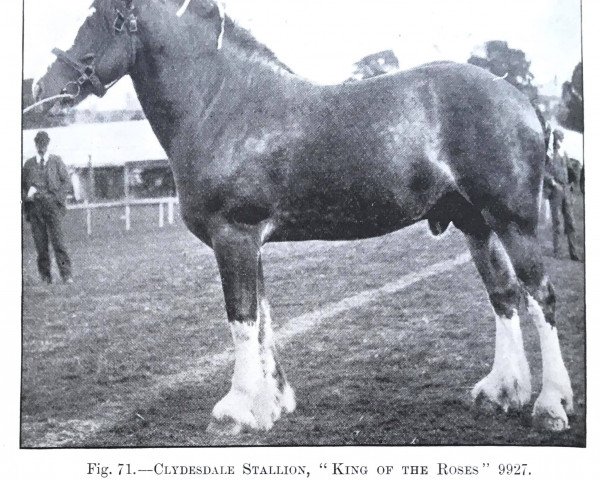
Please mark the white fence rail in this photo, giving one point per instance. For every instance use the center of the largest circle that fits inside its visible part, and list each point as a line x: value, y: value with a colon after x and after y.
x: 170, y: 202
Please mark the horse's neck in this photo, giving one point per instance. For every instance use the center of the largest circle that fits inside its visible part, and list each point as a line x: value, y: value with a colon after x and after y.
x: 169, y: 95
x: 174, y: 93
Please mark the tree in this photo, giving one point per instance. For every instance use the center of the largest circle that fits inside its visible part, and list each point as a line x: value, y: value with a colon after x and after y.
x: 571, y: 116
x: 375, y: 64
x: 508, y: 63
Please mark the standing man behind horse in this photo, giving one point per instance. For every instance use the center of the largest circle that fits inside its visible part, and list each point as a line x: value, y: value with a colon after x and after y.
x: 44, y: 188
x: 557, y: 189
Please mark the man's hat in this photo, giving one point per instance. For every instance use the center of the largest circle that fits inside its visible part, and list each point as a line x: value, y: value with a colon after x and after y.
x: 42, y: 137
x: 558, y: 134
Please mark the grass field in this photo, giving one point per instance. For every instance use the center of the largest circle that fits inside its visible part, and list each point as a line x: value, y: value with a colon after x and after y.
x: 132, y: 353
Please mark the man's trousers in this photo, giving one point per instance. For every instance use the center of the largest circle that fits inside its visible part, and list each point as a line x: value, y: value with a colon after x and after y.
x: 562, y: 204
x: 45, y: 216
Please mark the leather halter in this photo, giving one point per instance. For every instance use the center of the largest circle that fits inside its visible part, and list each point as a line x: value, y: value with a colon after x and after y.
x: 124, y: 22
x: 87, y: 73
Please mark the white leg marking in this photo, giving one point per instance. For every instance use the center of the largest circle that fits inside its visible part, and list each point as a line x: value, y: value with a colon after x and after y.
x: 246, y: 381
x: 556, y: 397
x: 283, y: 400
x: 509, y: 383
x: 255, y: 399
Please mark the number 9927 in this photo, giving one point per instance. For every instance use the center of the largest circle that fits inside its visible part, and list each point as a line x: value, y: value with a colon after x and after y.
x: 513, y: 469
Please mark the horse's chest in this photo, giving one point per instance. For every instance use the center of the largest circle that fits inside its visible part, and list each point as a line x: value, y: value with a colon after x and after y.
x: 243, y: 194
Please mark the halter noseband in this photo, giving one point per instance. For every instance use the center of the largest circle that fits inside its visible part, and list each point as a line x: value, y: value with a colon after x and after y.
x: 87, y: 72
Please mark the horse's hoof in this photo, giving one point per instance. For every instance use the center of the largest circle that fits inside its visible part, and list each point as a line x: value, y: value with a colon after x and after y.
x: 550, y: 422
x: 550, y: 411
x: 494, y: 393
x: 226, y: 427
x: 484, y: 404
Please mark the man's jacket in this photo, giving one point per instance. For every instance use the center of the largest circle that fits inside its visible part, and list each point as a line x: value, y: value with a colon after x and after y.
x: 557, y: 169
x: 58, y: 179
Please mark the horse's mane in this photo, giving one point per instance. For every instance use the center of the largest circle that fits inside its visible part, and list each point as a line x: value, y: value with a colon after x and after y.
x: 245, y: 40
x: 249, y: 44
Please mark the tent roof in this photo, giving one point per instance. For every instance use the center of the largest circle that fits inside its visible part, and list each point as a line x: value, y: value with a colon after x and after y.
x: 109, y: 144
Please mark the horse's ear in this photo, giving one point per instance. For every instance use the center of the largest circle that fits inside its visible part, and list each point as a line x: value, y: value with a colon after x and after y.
x: 209, y: 8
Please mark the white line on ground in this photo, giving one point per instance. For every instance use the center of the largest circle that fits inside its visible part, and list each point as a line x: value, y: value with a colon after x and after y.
x: 210, y: 365
x: 306, y: 321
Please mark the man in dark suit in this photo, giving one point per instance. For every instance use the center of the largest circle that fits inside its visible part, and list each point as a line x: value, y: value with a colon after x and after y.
x: 44, y: 188
x: 558, y: 191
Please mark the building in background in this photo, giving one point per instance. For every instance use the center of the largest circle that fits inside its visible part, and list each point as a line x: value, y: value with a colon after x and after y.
x: 110, y: 161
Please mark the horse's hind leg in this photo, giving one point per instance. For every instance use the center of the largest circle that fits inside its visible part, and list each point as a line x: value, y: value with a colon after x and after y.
x: 556, y: 398
x: 259, y: 391
x: 508, y: 385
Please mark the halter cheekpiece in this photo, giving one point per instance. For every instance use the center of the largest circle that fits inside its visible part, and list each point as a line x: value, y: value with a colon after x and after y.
x: 125, y: 22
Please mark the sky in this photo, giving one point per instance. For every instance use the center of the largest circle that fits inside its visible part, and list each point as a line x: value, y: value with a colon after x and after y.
x: 321, y: 39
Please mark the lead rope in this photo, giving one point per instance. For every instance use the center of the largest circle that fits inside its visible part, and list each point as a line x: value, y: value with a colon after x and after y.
x: 46, y: 100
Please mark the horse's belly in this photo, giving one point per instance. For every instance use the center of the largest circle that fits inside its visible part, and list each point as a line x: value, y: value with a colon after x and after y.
x: 344, y: 219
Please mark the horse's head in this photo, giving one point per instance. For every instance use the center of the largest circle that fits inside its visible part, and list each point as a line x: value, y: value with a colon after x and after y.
x: 103, y: 51
x: 107, y: 43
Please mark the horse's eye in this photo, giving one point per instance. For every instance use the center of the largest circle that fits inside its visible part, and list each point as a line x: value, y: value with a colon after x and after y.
x: 88, y: 58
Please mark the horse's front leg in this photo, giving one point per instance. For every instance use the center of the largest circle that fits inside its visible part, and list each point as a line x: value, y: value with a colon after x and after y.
x: 259, y: 391
x: 274, y: 376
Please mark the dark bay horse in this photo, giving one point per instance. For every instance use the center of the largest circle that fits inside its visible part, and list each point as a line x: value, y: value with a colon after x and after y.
x: 260, y: 154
